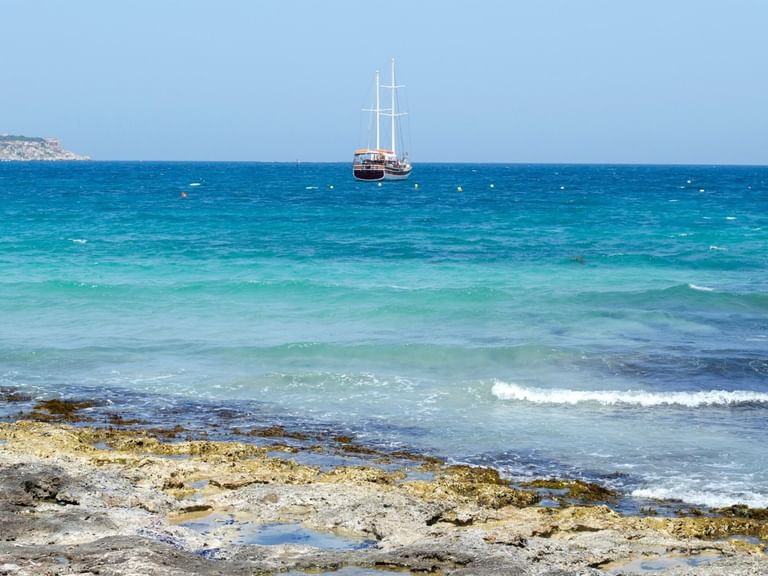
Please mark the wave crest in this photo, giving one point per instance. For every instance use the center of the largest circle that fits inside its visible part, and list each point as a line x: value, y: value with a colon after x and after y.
x: 508, y: 391
x: 711, y: 499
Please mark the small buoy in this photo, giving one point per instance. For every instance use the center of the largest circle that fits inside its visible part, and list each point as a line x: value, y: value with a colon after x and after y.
x: 562, y: 187
x: 183, y: 194
x: 331, y: 186
x: 416, y: 185
x: 379, y: 183
x: 701, y: 189
x: 459, y: 189
x: 493, y: 185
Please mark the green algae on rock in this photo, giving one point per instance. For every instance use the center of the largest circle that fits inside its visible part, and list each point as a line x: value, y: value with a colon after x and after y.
x: 272, y: 432
x: 742, y: 511
x: 575, y: 489
x: 469, y: 484
x: 58, y: 410
x: 358, y: 474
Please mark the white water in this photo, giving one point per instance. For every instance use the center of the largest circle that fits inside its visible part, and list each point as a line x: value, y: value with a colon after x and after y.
x: 508, y: 391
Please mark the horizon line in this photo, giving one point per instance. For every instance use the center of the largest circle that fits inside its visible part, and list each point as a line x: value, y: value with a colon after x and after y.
x: 435, y: 162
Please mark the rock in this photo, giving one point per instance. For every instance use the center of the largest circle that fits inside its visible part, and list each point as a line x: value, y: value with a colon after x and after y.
x: 25, y: 148
x: 576, y: 490
x: 26, y: 485
x: 152, y: 504
x: 357, y: 475
x: 466, y: 484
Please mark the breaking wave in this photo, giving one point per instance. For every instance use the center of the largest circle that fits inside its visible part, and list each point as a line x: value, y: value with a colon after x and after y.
x: 508, y: 391
x: 712, y: 499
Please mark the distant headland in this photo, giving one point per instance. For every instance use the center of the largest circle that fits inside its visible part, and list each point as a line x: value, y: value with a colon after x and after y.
x: 24, y: 148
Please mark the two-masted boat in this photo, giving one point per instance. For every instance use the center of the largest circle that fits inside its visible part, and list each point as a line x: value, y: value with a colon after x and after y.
x: 378, y: 163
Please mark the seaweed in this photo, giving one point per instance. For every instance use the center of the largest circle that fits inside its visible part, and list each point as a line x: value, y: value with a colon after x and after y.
x: 272, y: 432
x: 576, y: 489
x: 166, y: 432
x: 13, y: 395
x: 117, y: 420
x: 483, y: 486
x: 742, y: 511
x: 60, y: 410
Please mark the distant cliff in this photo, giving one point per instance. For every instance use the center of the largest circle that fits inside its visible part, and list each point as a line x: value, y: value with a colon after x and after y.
x: 30, y: 148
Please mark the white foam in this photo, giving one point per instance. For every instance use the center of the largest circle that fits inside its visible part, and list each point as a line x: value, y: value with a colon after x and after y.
x: 702, y: 497
x: 194, y: 183
x: 714, y: 248
x: 700, y: 288
x: 79, y: 240
x: 509, y: 391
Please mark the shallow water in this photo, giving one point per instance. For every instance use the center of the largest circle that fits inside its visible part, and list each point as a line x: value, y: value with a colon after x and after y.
x: 276, y: 534
x: 659, y: 564
x: 601, y: 322
x: 352, y: 571
x: 243, y: 530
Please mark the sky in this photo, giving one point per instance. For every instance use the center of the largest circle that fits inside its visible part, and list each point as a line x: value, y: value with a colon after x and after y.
x: 534, y: 81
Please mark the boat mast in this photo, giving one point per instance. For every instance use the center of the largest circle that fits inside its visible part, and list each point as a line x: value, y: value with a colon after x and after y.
x: 377, y: 110
x: 378, y: 113
x: 394, y: 112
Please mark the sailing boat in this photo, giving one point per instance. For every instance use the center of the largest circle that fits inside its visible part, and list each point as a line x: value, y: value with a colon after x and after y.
x: 373, y: 164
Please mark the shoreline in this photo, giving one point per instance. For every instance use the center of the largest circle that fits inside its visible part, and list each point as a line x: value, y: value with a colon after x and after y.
x: 83, y: 492
x: 319, y: 442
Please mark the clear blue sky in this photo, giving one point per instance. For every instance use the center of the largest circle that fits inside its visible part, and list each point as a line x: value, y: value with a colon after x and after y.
x: 636, y: 81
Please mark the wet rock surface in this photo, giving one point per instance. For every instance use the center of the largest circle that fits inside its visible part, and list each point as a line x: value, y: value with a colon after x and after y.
x: 114, y: 501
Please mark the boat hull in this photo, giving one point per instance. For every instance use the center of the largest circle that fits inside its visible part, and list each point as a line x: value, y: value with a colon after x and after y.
x: 397, y: 173
x: 369, y: 174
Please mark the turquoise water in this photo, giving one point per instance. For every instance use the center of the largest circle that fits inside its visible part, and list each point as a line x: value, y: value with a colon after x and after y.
x: 601, y: 322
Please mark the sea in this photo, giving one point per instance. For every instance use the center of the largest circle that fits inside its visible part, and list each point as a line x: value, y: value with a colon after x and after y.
x: 600, y: 322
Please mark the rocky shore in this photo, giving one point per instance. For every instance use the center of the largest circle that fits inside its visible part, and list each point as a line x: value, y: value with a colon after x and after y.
x: 26, y: 148
x: 85, y: 495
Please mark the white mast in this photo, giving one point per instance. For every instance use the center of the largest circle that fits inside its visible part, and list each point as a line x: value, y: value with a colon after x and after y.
x: 392, y: 111
x: 378, y: 112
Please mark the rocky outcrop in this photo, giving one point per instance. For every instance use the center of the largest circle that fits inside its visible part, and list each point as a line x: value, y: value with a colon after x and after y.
x: 85, y: 499
x: 26, y: 148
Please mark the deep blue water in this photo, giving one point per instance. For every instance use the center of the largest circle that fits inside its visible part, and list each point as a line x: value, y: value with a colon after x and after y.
x: 568, y: 320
